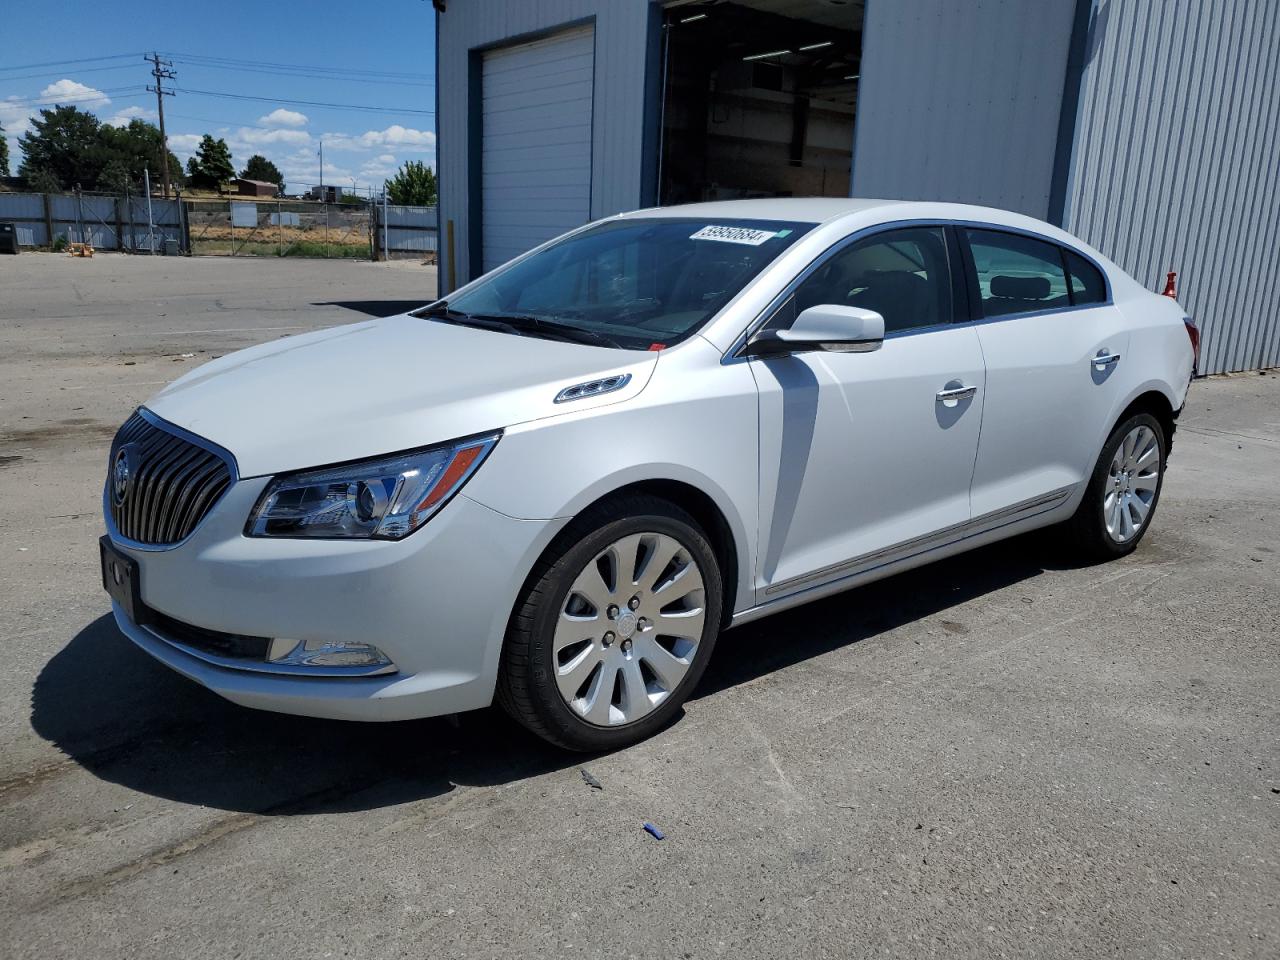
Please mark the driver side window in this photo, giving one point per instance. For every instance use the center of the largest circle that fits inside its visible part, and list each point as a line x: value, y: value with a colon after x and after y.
x: 901, y: 274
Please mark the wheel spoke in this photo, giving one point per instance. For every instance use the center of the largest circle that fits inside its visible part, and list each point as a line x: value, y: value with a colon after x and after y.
x: 683, y: 623
x: 667, y: 668
x: 592, y: 588
x: 1138, y: 509
x: 1149, y: 453
x: 1146, y: 481
x: 598, y: 703
x: 686, y: 580
x: 662, y: 550
x: 635, y: 699
x: 571, y: 676
x: 625, y: 557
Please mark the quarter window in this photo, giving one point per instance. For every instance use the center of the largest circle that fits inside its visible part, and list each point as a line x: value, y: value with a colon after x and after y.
x: 1017, y: 274
x: 1087, y: 283
x: 901, y: 274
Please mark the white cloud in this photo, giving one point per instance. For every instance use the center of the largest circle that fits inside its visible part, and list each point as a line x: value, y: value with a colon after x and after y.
x: 283, y: 118
x: 255, y: 136
x: 122, y: 117
x: 71, y: 91
x: 184, y: 144
x: 393, y: 136
x: 385, y: 158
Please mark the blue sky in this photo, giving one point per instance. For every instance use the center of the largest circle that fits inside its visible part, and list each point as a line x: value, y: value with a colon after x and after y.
x: 381, y: 56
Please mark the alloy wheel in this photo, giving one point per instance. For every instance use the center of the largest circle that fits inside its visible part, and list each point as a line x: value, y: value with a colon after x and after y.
x: 1132, y: 481
x: 629, y: 629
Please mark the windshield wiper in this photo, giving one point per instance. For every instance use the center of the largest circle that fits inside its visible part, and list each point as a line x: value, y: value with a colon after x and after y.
x: 517, y: 323
x: 526, y: 323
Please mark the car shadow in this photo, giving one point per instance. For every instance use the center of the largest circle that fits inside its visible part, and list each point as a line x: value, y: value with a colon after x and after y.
x: 802, y: 633
x: 377, y: 308
x: 129, y: 720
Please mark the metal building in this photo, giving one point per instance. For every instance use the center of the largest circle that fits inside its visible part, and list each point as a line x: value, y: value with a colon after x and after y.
x: 1148, y: 127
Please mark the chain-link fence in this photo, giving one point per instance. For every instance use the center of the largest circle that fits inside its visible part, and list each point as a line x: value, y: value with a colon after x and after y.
x: 360, y: 230
x: 279, y: 228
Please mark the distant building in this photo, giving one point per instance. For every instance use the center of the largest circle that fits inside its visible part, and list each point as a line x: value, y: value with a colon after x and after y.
x: 325, y: 194
x: 254, y: 188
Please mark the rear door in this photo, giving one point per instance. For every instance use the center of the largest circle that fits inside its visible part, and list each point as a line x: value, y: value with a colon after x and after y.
x: 865, y: 457
x: 536, y: 106
x: 1053, y: 343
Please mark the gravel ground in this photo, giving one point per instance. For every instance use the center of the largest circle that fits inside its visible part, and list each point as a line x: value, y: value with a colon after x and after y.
x: 998, y: 755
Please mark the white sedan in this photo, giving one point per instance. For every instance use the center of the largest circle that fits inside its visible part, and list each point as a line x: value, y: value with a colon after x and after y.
x: 556, y: 488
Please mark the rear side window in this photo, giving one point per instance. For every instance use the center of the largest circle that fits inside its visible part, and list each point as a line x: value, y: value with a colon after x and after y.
x: 901, y: 274
x: 1087, y: 284
x: 1017, y: 274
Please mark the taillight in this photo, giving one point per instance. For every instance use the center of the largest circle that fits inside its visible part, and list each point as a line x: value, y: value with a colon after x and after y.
x: 1193, y: 334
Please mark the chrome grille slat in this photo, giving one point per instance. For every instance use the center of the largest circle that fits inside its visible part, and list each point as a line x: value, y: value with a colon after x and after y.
x: 175, y: 482
x: 174, y: 502
x: 160, y: 482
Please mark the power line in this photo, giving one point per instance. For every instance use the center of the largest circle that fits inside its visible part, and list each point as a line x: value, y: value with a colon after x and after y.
x: 343, y: 78
x: 309, y: 103
x: 54, y: 100
x: 61, y: 63
x: 59, y: 73
x: 313, y: 68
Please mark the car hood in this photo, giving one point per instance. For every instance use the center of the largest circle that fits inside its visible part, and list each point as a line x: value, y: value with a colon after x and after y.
x: 378, y: 387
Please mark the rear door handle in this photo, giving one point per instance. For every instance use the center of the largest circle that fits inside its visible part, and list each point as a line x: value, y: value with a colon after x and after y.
x: 1105, y: 359
x: 956, y: 393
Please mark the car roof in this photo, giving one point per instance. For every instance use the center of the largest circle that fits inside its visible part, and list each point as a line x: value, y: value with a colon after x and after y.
x: 795, y: 209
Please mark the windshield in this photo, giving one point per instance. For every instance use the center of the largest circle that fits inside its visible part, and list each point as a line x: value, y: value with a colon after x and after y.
x: 640, y: 284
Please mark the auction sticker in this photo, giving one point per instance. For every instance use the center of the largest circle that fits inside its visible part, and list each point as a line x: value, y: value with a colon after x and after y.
x: 745, y: 235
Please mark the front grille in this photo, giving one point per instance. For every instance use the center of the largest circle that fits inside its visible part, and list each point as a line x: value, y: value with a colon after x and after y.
x: 170, y: 483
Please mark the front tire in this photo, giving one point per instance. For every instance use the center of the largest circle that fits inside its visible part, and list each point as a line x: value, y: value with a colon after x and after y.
x: 615, y: 626
x: 1120, y: 500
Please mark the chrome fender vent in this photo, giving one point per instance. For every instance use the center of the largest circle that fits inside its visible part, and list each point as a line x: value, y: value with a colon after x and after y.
x: 593, y: 388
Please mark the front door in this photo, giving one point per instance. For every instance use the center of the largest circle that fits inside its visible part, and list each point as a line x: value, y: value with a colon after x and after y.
x: 865, y: 456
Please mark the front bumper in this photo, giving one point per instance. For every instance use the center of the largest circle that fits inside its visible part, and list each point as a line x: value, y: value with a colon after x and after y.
x: 436, y: 603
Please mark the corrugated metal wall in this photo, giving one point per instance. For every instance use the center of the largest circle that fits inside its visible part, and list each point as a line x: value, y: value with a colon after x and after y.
x: 1177, y: 162
x: 961, y: 101
x: 621, y: 27
x: 105, y: 222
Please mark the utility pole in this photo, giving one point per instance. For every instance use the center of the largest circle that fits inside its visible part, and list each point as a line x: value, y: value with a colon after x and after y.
x: 162, y: 70
x: 321, y: 169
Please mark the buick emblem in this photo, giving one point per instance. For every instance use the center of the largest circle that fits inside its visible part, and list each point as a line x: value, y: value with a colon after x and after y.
x: 121, y: 473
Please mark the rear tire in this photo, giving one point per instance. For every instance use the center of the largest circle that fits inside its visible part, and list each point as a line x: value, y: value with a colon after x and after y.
x: 1123, y: 491
x: 615, y: 626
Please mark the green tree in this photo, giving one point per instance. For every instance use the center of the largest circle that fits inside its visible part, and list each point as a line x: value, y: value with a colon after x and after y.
x: 4, y: 153
x: 260, y: 168
x: 65, y: 144
x: 129, y: 151
x: 211, y: 167
x: 414, y: 185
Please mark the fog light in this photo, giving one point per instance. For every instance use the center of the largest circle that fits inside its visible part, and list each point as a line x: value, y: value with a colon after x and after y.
x: 325, y: 653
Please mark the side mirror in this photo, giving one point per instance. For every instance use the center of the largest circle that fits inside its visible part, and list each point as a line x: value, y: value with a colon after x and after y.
x: 829, y: 327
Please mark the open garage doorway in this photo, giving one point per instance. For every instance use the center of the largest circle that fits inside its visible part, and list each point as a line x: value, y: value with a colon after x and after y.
x: 758, y: 98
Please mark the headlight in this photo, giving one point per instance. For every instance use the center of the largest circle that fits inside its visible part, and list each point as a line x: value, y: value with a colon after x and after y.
x: 387, y: 499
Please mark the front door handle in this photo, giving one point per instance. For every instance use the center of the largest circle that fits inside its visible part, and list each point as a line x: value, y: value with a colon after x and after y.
x: 952, y: 394
x: 1105, y: 358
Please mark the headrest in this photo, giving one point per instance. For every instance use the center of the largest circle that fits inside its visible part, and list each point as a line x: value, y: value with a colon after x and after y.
x: 1020, y: 288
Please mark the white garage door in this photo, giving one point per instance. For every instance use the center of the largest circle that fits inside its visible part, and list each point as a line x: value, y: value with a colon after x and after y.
x: 536, y: 159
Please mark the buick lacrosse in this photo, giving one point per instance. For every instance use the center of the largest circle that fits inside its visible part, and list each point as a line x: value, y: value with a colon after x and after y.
x: 556, y: 487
